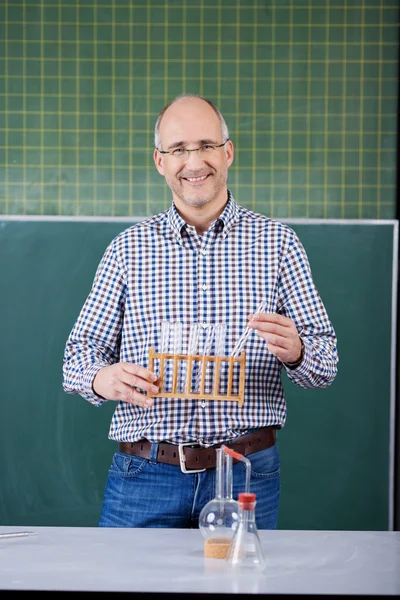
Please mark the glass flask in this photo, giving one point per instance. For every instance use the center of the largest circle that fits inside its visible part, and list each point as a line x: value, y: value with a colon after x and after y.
x: 245, y: 550
x: 218, y: 519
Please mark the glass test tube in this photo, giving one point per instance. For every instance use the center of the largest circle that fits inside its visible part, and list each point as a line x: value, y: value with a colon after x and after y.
x: 176, y: 332
x: 220, y: 335
x: 192, y: 350
x: 206, y: 352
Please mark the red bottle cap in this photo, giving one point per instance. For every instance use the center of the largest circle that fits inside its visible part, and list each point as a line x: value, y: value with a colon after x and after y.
x: 246, y: 499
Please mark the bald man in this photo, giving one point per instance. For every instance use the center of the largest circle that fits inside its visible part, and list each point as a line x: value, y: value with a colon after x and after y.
x: 204, y: 260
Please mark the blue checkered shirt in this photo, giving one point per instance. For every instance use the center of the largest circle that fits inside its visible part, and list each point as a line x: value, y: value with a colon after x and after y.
x: 159, y: 270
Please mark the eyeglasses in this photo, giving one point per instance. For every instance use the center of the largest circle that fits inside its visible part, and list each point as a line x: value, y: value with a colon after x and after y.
x: 207, y: 150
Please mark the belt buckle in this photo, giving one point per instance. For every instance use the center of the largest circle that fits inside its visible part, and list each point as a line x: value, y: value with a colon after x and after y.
x: 182, y: 459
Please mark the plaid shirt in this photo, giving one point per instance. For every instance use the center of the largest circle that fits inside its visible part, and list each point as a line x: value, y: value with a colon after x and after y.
x: 161, y: 269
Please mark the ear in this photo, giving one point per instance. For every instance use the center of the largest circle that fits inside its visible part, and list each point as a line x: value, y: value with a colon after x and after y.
x: 158, y: 161
x: 229, y: 152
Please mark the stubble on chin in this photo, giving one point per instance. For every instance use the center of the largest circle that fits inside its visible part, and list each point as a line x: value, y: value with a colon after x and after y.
x: 197, y: 201
x: 195, y: 198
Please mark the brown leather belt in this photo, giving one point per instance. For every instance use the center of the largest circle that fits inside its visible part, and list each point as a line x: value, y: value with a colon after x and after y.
x: 191, y: 457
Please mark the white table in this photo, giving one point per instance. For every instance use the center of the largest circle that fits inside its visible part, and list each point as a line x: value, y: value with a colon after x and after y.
x: 172, y: 561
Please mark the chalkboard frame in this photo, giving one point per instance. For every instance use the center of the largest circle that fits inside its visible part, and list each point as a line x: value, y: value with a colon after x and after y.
x: 28, y: 496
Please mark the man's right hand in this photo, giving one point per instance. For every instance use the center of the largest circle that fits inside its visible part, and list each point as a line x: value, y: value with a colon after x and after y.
x: 119, y: 382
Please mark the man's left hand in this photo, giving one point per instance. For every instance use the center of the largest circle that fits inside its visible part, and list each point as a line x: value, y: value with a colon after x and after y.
x: 281, y: 334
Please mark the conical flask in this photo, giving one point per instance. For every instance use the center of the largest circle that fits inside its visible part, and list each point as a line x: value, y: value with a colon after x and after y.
x: 245, y: 550
x: 219, y: 518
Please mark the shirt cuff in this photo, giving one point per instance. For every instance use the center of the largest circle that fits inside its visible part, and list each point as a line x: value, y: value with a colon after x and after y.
x: 294, y: 365
x: 87, y: 384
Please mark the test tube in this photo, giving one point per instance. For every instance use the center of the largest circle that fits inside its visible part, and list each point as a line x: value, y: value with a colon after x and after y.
x: 176, y: 331
x: 220, y: 335
x: 164, y: 343
x: 193, y: 343
x: 206, y: 352
x: 164, y: 347
x: 243, y: 338
x: 209, y: 340
x: 193, y: 338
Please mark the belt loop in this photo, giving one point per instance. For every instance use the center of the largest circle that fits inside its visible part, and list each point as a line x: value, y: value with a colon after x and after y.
x: 153, y: 452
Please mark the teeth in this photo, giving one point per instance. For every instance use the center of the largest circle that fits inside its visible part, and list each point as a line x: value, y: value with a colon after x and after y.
x: 196, y: 178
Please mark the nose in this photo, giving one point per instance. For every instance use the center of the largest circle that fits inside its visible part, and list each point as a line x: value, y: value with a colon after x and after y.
x: 193, y: 157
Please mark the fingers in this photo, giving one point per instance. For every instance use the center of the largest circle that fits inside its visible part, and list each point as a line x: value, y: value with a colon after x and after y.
x: 137, y: 376
x: 271, y: 318
x: 123, y: 381
x: 133, y: 378
x: 280, y: 333
x: 139, y: 371
x: 133, y: 396
x: 126, y: 393
x: 273, y: 323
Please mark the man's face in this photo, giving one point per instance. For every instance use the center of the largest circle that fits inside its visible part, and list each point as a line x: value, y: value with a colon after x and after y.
x: 194, y: 179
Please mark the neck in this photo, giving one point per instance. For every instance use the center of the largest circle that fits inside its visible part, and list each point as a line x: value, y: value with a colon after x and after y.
x: 201, y: 217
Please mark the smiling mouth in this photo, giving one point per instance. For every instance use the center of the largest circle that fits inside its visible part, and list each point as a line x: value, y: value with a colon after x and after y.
x: 196, y: 179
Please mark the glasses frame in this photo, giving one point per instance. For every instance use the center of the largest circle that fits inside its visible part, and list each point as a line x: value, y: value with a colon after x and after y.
x: 188, y: 151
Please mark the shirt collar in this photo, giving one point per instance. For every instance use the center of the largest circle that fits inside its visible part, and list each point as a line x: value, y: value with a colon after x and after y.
x: 227, y: 218
x: 176, y: 222
x: 229, y: 215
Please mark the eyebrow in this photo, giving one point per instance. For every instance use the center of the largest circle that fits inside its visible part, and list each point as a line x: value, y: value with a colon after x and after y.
x: 199, y: 143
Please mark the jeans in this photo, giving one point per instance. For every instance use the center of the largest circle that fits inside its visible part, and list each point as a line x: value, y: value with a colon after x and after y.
x: 146, y: 493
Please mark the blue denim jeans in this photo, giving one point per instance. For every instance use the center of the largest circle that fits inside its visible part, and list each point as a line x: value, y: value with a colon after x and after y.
x: 146, y: 493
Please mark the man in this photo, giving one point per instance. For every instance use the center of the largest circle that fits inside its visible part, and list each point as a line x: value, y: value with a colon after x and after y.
x: 204, y: 260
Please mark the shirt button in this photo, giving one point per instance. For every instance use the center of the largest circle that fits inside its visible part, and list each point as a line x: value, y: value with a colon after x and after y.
x: 204, y: 325
x: 204, y: 287
x: 203, y: 404
x: 204, y: 252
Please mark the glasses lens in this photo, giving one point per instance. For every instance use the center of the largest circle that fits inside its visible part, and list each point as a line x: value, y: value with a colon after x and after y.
x: 184, y: 154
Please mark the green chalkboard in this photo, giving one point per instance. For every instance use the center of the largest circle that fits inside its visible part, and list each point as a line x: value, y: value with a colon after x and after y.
x: 54, y: 452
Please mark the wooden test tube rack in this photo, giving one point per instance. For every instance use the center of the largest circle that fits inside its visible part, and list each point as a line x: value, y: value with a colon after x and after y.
x: 180, y: 359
